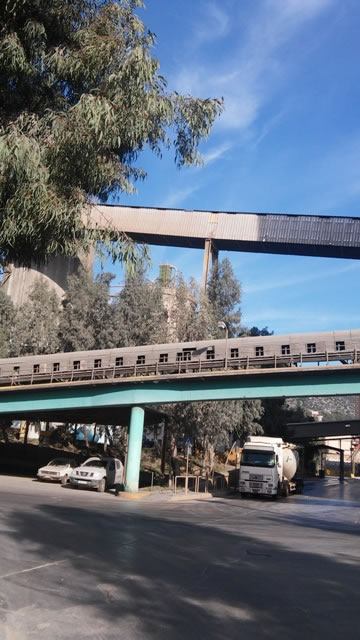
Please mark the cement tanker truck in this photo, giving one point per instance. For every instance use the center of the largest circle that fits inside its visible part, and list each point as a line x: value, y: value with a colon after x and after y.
x: 270, y: 467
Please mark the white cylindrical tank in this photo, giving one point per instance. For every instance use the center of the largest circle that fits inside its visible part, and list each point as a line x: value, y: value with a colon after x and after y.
x: 290, y: 462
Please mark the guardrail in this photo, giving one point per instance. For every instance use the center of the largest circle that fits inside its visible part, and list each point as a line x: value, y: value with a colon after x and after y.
x: 178, y: 368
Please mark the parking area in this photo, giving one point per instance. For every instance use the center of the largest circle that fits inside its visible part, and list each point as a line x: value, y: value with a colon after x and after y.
x: 79, y: 564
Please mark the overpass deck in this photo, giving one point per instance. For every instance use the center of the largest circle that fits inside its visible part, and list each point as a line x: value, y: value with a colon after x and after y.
x: 101, y: 400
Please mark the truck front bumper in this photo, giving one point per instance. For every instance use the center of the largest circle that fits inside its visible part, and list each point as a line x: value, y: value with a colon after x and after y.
x: 264, y: 490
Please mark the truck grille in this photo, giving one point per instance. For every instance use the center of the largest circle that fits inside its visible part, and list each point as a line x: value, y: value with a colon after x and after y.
x: 256, y: 476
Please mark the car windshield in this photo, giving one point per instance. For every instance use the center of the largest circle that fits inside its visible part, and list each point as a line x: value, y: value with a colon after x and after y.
x: 59, y: 462
x: 254, y: 458
x: 95, y: 463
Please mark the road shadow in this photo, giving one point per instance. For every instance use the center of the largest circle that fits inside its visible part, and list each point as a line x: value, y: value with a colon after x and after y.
x: 182, y: 573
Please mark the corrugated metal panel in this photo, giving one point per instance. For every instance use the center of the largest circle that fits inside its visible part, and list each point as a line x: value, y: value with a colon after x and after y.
x: 238, y: 227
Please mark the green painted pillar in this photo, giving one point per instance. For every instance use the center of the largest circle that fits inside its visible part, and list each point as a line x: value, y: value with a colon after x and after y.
x: 134, y: 449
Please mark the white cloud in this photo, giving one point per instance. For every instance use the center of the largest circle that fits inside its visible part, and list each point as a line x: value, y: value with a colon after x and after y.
x: 216, y: 153
x: 274, y: 283
x: 178, y: 196
x: 214, y: 24
x: 250, y: 73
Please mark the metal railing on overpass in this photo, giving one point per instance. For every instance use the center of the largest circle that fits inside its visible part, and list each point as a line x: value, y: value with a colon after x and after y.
x: 161, y: 369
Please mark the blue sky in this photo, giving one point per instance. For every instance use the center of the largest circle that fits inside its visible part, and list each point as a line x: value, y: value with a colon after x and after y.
x: 288, y: 141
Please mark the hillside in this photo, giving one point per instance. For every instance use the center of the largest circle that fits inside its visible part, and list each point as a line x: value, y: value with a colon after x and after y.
x: 331, y: 408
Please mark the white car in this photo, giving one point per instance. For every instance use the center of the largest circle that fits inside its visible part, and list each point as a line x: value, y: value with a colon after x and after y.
x: 58, y: 470
x: 98, y: 473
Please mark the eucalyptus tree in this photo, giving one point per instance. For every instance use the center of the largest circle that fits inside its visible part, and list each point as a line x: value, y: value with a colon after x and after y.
x: 7, y: 318
x: 139, y: 313
x: 36, y: 324
x: 217, y: 422
x: 81, y: 97
x: 224, y: 293
x: 87, y: 318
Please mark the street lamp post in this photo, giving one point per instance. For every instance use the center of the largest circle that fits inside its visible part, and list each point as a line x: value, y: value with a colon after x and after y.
x: 223, y: 325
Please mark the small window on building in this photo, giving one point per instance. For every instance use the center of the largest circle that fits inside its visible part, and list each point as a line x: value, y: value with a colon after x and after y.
x: 210, y: 354
x: 234, y: 353
x: 164, y: 357
x: 311, y: 347
x: 76, y: 365
x: 285, y: 349
x: 56, y: 366
x: 259, y: 351
x: 119, y: 361
x: 179, y: 356
x: 36, y: 368
x: 97, y: 363
x: 340, y: 345
x: 16, y: 369
x: 140, y: 360
x: 186, y: 355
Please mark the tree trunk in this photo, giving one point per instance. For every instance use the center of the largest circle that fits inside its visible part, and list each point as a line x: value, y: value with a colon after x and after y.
x: 164, y: 446
x: 229, y: 454
x: 27, y: 425
x: 107, y: 437
x: 211, y: 450
x: 85, y: 436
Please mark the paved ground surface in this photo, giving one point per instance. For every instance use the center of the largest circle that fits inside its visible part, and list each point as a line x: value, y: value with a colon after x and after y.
x: 82, y: 565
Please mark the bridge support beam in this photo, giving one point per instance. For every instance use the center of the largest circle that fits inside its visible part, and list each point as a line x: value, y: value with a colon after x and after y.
x: 134, y: 449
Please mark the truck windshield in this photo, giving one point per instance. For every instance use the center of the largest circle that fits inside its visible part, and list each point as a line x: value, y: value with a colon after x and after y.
x: 254, y: 458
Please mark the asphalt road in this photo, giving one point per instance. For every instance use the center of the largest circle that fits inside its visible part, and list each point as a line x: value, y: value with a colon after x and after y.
x: 82, y: 565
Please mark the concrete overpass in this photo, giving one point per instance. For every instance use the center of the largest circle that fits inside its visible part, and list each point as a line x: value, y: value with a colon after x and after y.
x: 213, y: 231
x: 103, y: 400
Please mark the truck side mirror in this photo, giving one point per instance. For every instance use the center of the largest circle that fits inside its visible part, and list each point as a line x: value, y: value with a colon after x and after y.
x: 277, y: 459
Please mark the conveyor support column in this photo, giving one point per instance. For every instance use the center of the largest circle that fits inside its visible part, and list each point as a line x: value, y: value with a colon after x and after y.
x: 209, y: 251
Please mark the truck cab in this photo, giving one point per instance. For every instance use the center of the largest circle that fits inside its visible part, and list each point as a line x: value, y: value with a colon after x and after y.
x: 268, y: 467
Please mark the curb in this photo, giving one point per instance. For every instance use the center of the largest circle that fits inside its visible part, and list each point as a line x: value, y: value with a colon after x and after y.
x: 128, y: 495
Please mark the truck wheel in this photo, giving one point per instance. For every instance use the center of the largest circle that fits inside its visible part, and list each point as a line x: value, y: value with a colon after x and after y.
x: 278, y: 492
x: 102, y: 485
x: 286, y: 490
